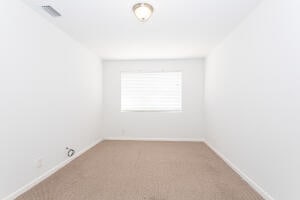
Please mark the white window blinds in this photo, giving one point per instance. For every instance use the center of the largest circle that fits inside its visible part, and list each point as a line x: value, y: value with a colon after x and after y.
x: 151, y: 91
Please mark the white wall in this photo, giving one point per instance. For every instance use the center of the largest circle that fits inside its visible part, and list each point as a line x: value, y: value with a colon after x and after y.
x: 252, y: 97
x: 168, y: 125
x: 50, y: 96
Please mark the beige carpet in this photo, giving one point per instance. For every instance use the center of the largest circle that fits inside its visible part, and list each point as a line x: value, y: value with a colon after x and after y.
x: 131, y: 170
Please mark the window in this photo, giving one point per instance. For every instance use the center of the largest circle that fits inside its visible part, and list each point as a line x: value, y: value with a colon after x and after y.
x: 151, y: 91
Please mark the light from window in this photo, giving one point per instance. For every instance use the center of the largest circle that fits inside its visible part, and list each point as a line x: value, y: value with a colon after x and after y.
x: 151, y: 91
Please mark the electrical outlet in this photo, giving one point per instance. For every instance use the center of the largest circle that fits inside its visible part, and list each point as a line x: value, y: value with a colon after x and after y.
x: 123, y: 131
x: 39, y: 163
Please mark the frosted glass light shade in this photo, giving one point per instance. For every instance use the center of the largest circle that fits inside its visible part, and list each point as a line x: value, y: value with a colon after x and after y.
x: 143, y: 11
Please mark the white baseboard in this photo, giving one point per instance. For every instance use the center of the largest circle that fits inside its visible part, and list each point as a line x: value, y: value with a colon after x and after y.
x: 48, y: 173
x: 251, y: 182
x: 155, y: 139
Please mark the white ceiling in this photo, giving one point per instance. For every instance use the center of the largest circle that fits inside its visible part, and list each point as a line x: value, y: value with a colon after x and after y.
x: 177, y: 29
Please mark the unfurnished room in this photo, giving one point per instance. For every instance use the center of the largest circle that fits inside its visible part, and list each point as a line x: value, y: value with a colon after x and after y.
x: 150, y: 100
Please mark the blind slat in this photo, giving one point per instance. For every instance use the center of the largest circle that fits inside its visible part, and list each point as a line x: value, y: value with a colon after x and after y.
x: 153, y: 91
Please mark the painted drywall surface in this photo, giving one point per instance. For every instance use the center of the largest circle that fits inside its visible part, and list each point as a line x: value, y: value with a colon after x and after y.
x: 177, y: 29
x: 252, y: 97
x: 186, y: 124
x: 50, y: 96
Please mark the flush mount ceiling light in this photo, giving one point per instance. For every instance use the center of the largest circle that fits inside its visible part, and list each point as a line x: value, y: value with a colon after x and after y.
x: 142, y: 11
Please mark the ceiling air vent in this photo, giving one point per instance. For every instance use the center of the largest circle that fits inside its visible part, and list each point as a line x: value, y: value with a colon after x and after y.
x: 51, y: 11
